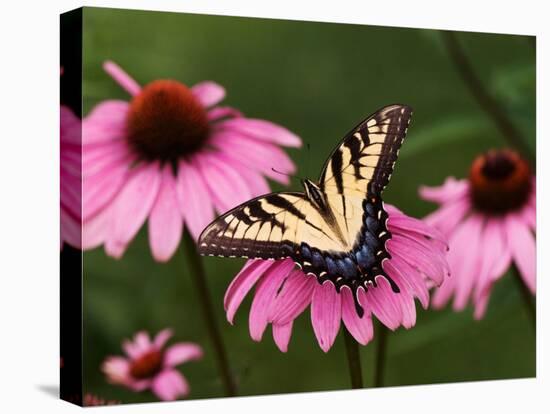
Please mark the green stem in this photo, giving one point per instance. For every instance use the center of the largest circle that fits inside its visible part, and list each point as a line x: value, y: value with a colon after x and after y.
x: 381, y: 343
x: 354, y: 360
x: 485, y: 100
x: 199, y: 276
x: 527, y: 296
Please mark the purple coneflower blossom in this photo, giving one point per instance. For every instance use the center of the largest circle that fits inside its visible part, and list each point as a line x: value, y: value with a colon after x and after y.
x: 150, y: 365
x: 70, y: 187
x: 284, y: 292
x: 171, y: 156
x: 489, y: 220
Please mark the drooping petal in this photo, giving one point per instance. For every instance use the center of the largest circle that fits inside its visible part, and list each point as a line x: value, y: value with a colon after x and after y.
x: 265, y: 296
x: 493, y: 250
x: 465, y: 259
x: 95, y: 230
x: 138, y: 385
x: 194, y: 199
x: 523, y: 248
x: 97, y: 158
x: 281, y: 335
x: 430, y: 248
x: 106, y: 122
x: 70, y: 229
x: 504, y: 259
x: 529, y: 216
x: 219, y: 112
x: 165, y: 221
x: 242, y: 283
x: 142, y: 342
x: 131, y: 349
x: 447, y: 218
x: 293, y: 299
x: 404, y: 297
x: 169, y: 385
x: 326, y: 312
x: 464, y: 263
x: 481, y: 303
x: 444, y: 292
x: 254, y: 179
x: 262, y: 130
x: 412, y: 280
x: 449, y: 191
x: 264, y: 156
x: 161, y: 338
x: 69, y: 126
x: 208, y: 93
x: 132, y: 206
x: 100, y: 188
x: 117, y: 369
x: 227, y: 188
x: 431, y: 265
x: 404, y: 222
x: 180, y: 353
x: 359, y: 327
x: 122, y: 78
x: 384, y: 304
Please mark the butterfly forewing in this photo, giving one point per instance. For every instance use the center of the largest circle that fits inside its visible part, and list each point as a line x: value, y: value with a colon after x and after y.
x: 362, y: 163
x: 265, y: 227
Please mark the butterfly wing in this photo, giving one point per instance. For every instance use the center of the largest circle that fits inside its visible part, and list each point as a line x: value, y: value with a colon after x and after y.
x: 268, y: 227
x: 280, y: 225
x: 363, y: 162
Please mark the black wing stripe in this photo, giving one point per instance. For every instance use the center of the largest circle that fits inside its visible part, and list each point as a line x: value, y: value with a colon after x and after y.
x: 258, y: 228
x: 370, y: 149
x: 336, y: 162
x: 286, y: 205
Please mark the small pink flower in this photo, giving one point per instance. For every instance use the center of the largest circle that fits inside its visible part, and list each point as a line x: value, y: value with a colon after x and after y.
x: 149, y: 365
x: 70, y: 187
x: 91, y: 400
x: 283, y: 292
x: 490, y: 222
x: 171, y: 156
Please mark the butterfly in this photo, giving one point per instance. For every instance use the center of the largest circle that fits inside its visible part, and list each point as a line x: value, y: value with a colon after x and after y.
x: 336, y: 229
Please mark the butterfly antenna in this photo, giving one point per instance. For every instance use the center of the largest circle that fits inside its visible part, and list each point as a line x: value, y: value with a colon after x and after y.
x: 296, y: 177
x: 306, y: 163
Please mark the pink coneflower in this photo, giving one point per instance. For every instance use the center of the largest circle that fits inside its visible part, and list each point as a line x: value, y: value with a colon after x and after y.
x: 70, y: 188
x: 149, y: 365
x: 489, y: 219
x: 284, y: 292
x: 171, y: 156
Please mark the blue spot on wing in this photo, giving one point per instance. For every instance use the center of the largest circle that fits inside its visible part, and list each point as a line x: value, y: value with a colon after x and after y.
x: 372, y: 224
x: 365, y: 257
x: 317, y: 260
x: 347, y: 268
x: 306, y: 252
x: 331, y: 266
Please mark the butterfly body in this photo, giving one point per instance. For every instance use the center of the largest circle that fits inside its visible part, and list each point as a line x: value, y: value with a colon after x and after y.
x: 336, y: 229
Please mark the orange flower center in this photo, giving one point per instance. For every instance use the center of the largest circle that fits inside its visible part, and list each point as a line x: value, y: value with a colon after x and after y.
x: 166, y: 122
x: 500, y: 181
x: 147, y: 365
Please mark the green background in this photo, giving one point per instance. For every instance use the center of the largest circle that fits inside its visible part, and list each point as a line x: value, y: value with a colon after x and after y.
x: 318, y: 80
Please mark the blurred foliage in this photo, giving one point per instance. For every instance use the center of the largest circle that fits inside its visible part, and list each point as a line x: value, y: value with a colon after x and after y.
x: 319, y: 80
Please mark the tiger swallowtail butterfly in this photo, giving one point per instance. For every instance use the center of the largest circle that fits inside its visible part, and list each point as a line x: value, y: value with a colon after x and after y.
x: 336, y: 229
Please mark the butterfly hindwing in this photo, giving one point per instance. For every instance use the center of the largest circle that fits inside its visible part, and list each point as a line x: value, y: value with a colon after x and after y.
x: 362, y: 163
